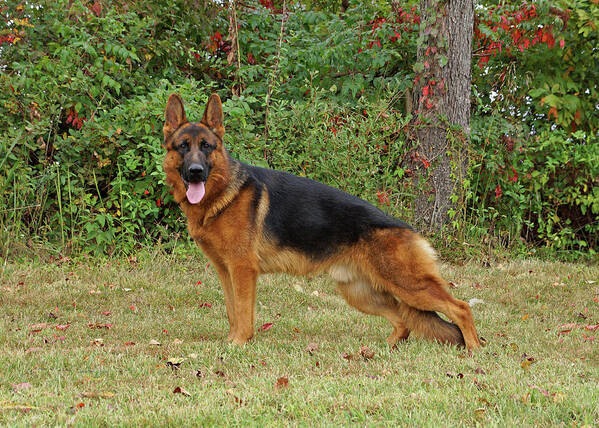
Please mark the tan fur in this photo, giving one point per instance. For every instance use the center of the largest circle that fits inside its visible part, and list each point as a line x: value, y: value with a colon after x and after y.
x: 390, y: 272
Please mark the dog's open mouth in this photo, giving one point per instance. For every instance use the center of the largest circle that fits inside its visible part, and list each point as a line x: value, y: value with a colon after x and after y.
x: 195, y: 191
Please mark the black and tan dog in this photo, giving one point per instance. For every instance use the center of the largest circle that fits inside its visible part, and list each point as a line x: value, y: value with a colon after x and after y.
x: 251, y: 220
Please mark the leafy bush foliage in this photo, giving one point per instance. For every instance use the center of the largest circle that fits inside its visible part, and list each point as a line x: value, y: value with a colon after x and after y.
x: 84, y: 85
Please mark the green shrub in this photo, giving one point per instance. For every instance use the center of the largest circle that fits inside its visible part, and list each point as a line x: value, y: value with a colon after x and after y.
x: 84, y: 85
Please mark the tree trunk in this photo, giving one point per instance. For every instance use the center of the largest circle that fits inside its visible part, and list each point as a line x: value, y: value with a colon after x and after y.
x: 442, y: 109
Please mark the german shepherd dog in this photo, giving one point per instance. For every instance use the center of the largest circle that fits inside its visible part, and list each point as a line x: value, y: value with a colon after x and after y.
x: 251, y: 220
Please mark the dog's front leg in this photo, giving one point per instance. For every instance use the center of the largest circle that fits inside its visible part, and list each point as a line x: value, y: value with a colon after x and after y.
x: 225, y: 280
x: 243, y: 278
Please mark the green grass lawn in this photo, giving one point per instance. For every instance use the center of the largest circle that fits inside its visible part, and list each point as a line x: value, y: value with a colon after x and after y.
x: 79, y: 346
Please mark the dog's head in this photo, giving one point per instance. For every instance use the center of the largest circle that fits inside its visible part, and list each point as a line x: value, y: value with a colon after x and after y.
x: 193, y: 148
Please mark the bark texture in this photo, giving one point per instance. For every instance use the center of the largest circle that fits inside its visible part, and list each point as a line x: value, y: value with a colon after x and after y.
x: 442, y: 91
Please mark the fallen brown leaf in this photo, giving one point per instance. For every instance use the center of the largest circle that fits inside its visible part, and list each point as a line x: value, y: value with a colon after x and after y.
x: 179, y: 390
x: 526, y: 362
x: 97, y: 342
x: 175, y: 363
x: 311, y: 347
x: 480, y: 385
x: 347, y: 356
x: 282, y: 382
x: 39, y: 327
x: 100, y: 325
x: 235, y: 398
x: 366, y: 352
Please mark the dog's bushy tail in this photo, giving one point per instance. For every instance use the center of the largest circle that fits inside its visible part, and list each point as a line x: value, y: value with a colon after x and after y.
x: 430, y: 325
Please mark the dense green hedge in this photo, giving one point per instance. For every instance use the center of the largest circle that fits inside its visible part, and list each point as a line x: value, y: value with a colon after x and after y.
x: 83, y: 90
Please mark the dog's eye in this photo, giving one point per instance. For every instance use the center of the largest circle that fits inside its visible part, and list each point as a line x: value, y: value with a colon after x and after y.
x: 184, y: 145
x: 205, y: 145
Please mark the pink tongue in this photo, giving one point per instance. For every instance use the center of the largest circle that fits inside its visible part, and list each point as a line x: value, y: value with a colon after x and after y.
x: 195, y: 192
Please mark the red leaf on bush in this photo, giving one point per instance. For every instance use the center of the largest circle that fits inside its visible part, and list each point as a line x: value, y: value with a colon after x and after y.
x: 205, y: 305
x: 498, y: 192
x: 97, y: 8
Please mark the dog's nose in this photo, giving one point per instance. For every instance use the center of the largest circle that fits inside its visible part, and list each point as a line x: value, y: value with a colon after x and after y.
x: 195, y: 169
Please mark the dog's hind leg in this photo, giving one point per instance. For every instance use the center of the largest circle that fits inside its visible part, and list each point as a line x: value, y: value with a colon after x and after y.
x: 404, y: 266
x: 360, y: 294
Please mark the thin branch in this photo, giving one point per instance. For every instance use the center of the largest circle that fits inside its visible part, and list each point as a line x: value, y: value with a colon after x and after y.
x: 273, y: 76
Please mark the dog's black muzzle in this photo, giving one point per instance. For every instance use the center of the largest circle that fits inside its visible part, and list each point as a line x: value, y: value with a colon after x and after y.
x: 194, y: 173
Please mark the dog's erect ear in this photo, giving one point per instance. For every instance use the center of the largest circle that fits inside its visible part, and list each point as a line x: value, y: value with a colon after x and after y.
x: 174, y: 115
x: 213, y: 115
